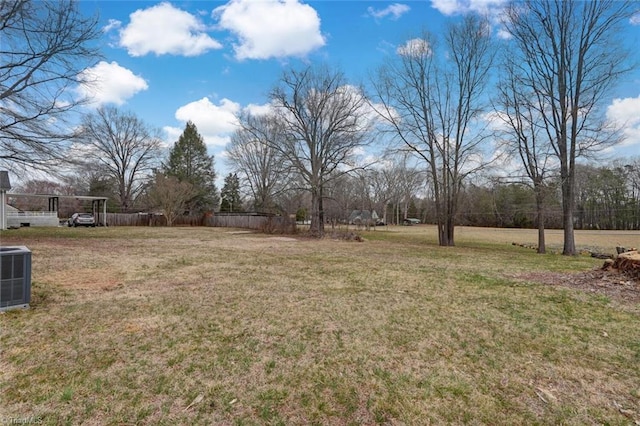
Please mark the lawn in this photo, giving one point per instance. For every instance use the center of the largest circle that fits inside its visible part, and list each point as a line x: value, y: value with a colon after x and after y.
x: 218, y: 326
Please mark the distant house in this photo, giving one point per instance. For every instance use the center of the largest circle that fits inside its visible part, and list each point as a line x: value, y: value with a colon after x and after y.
x: 363, y: 217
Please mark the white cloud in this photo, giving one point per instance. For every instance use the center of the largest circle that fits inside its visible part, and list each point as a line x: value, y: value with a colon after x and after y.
x: 113, y: 24
x: 415, y: 47
x: 446, y: 7
x: 504, y: 34
x: 222, y: 155
x: 163, y: 29
x: 395, y: 10
x: 271, y: 28
x: 635, y: 19
x: 455, y: 7
x: 255, y: 109
x: 214, y: 122
x: 496, y: 120
x: 625, y: 113
x: 492, y: 9
x: 173, y: 134
x: 109, y: 83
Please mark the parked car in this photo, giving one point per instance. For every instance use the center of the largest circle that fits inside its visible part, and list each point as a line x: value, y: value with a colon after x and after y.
x: 411, y: 221
x: 82, y: 219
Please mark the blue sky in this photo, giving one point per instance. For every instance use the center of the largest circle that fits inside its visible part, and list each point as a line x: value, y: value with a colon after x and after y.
x: 204, y: 61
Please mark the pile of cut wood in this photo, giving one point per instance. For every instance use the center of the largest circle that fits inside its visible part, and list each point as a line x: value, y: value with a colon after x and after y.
x: 627, y: 261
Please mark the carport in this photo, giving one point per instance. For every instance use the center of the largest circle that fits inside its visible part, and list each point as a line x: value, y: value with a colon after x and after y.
x: 98, y: 204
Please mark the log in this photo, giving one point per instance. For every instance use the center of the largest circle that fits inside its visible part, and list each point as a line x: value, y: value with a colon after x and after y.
x: 627, y: 262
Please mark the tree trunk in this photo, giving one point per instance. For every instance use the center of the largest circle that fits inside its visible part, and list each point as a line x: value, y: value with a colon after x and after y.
x: 321, y: 213
x: 450, y: 231
x: 627, y: 262
x: 542, y: 248
x: 568, y: 202
x: 445, y: 234
x: 384, y: 215
x: 442, y: 234
x: 446, y: 228
x: 541, y: 218
x: 316, y: 229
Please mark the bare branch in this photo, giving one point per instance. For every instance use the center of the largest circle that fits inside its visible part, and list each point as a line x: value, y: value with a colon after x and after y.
x: 124, y: 146
x: 45, y: 45
x: 323, y: 120
x: 565, y: 62
x: 432, y: 104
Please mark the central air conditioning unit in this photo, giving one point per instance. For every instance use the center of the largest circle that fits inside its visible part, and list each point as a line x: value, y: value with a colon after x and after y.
x: 15, y: 277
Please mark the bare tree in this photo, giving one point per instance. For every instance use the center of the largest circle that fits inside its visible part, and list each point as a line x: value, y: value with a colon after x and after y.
x: 408, y: 182
x: 380, y: 191
x: 252, y: 155
x: 323, y: 121
x: 525, y: 138
x: 396, y: 182
x: 44, y: 45
x: 170, y: 195
x: 431, y: 103
x: 344, y: 195
x: 43, y: 186
x: 567, y: 56
x: 633, y: 170
x: 125, y: 146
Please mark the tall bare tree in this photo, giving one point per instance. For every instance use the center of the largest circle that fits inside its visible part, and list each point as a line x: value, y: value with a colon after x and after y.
x: 125, y: 146
x: 44, y: 45
x: 525, y: 138
x: 323, y: 120
x: 253, y: 156
x: 431, y: 101
x: 568, y: 57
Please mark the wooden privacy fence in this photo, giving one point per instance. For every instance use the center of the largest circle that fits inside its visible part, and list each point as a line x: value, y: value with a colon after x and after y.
x: 150, y: 219
x: 263, y: 222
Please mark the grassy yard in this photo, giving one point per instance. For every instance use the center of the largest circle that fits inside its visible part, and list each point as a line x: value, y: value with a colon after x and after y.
x: 216, y: 326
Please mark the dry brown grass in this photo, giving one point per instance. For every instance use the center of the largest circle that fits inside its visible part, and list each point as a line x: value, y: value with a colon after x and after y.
x: 208, y: 326
x: 605, y: 241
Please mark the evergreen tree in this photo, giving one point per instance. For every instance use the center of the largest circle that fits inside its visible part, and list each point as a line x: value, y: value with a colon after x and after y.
x: 231, y: 201
x: 189, y: 162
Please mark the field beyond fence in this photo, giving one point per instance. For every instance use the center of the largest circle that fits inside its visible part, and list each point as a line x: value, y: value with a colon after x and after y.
x: 206, y: 325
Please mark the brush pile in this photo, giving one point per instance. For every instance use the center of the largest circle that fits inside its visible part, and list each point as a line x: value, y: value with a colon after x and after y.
x: 627, y: 262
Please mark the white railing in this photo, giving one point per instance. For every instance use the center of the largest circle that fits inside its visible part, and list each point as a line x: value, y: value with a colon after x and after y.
x: 19, y: 219
x: 32, y: 214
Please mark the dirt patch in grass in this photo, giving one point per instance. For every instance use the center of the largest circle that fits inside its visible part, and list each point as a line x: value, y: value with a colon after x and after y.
x: 615, y: 285
x: 86, y: 279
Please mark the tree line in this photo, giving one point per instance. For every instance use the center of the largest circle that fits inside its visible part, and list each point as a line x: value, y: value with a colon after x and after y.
x: 450, y: 108
x: 608, y: 197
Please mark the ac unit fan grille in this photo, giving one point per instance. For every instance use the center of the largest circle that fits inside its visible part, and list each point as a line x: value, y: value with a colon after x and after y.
x: 15, y: 277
